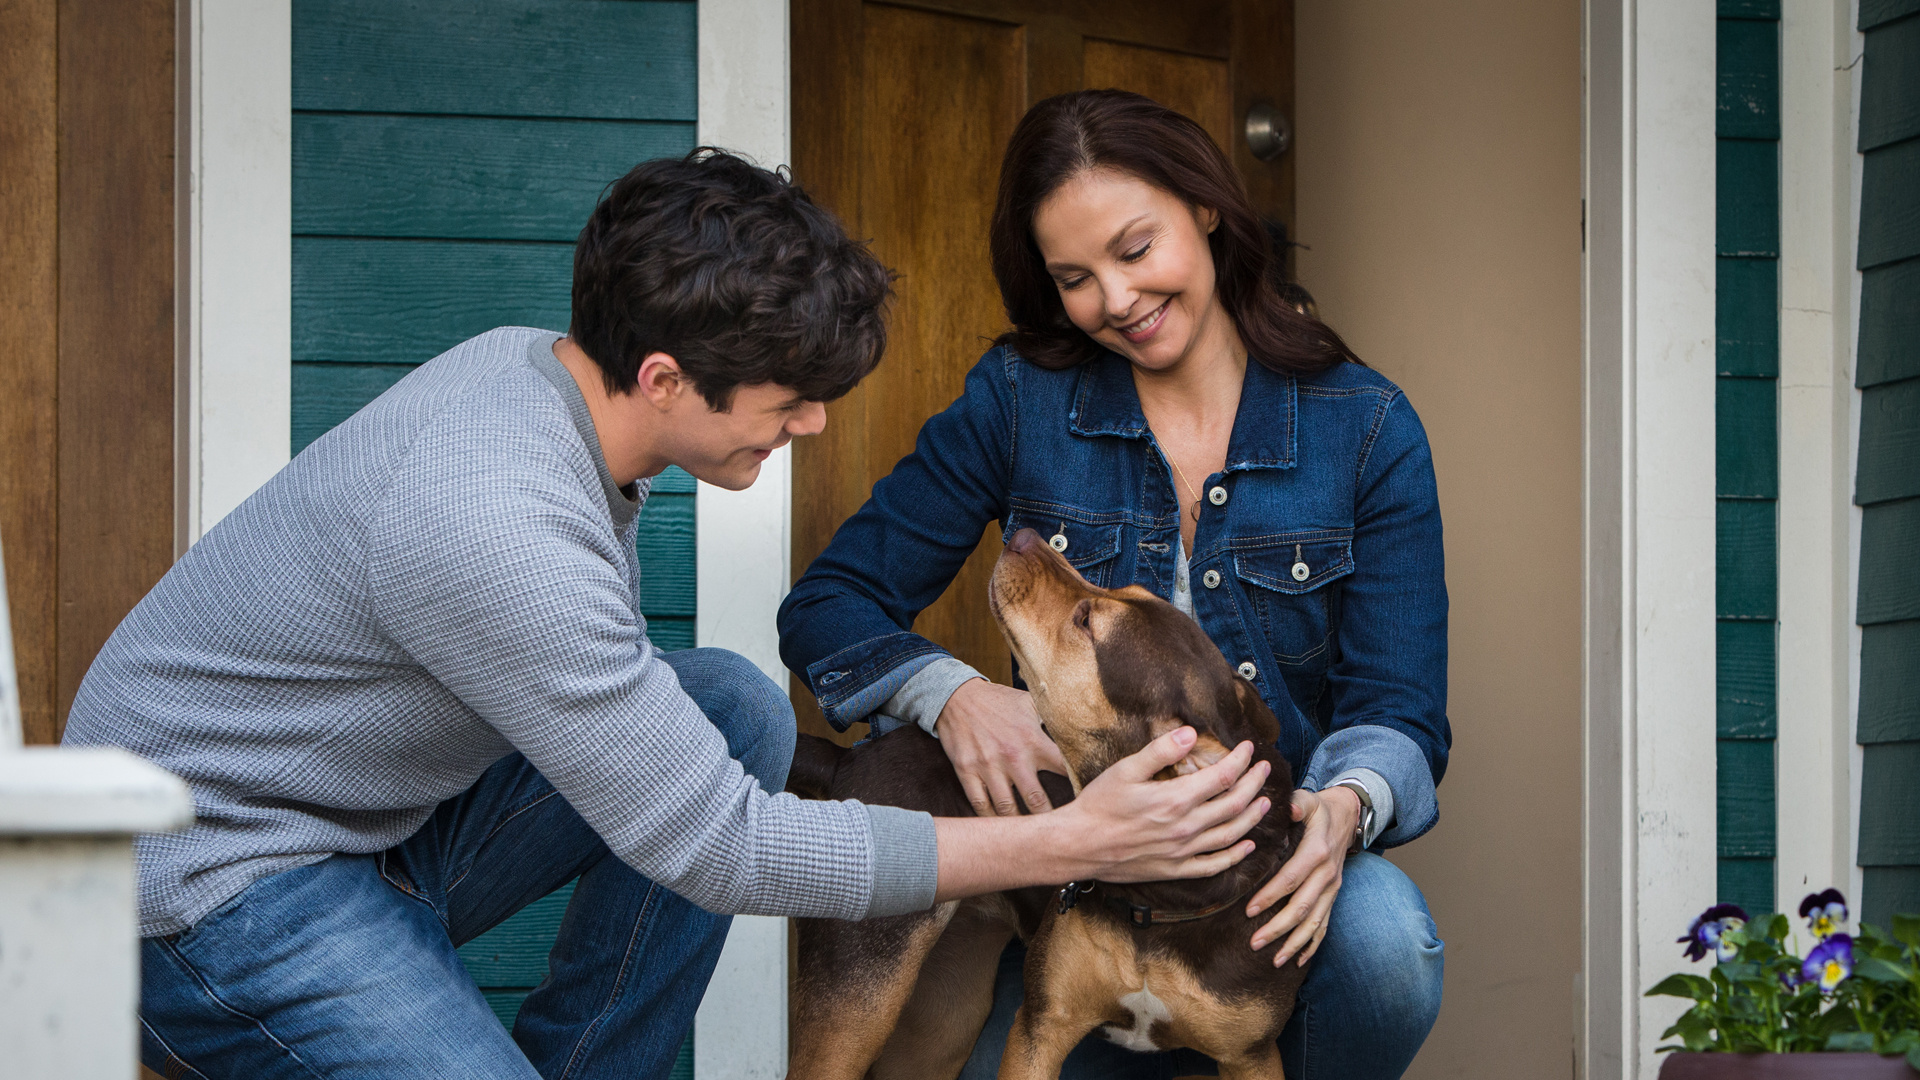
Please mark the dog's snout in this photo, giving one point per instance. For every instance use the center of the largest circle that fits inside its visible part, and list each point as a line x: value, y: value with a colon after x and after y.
x: 1024, y: 541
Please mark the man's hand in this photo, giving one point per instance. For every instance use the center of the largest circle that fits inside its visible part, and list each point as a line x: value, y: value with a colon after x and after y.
x: 1143, y: 829
x: 992, y: 735
x: 1312, y: 874
x: 1125, y: 826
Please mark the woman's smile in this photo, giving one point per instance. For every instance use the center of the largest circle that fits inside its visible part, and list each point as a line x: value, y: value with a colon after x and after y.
x: 1139, y: 332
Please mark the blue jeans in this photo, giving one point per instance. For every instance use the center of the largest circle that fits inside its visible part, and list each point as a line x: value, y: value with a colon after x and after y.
x: 1372, y: 994
x: 346, y: 968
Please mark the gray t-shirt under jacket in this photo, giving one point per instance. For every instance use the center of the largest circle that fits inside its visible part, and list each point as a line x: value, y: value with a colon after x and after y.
x: 443, y: 579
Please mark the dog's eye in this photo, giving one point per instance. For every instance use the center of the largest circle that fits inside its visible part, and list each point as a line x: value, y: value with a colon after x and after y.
x: 1083, y: 617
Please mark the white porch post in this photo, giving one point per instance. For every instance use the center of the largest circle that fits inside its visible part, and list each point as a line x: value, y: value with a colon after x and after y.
x: 69, y: 949
x: 1818, y: 640
x: 744, y: 544
x: 1649, y: 712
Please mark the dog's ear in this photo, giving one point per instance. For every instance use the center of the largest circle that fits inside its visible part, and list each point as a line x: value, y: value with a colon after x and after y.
x: 1260, y: 719
x: 1206, y: 749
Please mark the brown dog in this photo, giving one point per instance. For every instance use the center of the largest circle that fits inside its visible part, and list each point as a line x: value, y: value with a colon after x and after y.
x: 1155, y: 966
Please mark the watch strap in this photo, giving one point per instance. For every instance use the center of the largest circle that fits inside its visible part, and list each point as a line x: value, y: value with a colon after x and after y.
x: 1365, y: 823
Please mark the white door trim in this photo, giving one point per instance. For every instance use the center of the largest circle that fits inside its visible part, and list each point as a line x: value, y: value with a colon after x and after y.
x: 234, y: 256
x: 744, y: 541
x: 1649, y: 843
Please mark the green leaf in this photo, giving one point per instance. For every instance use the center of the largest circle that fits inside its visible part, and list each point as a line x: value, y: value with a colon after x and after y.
x: 1850, y: 1041
x: 1683, y: 985
x: 1906, y: 930
x: 1913, y: 1057
x: 1880, y: 971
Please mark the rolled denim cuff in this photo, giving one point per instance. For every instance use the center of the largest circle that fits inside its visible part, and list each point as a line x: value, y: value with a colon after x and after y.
x: 906, y: 861
x: 1397, y: 760
x: 920, y: 700
x: 852, y: 684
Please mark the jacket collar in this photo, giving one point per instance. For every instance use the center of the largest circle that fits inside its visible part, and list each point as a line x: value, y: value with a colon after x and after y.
x: 1105, y: 403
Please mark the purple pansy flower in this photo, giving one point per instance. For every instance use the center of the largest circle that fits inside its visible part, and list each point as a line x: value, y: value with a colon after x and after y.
x: 1825, y: 912
x: 1829, y: 962
x: 1710, y: 929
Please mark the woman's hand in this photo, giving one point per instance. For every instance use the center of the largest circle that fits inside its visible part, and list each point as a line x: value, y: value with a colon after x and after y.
x: 1312, y: 874
x: 992, y: 735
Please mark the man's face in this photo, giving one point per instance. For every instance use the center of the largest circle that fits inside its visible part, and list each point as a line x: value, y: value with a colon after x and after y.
x: 725, y: 449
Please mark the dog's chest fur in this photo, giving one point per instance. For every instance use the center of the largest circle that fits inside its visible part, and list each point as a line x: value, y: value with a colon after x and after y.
x: 1149, y: 998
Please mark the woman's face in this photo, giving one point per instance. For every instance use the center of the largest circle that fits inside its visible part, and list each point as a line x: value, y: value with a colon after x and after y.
x: 1132, y: 265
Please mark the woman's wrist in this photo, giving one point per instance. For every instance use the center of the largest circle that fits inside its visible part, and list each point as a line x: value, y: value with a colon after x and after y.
x: 1343, y: 803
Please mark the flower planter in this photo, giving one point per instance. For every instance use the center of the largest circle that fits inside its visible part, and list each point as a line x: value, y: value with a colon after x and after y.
x: 1685, y: 1066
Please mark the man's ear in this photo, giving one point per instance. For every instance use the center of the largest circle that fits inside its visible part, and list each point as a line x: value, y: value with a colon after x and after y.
x: 660, y: 380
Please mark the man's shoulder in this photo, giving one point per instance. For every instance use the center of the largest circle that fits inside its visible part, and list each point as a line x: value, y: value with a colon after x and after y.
x: 480, y: 392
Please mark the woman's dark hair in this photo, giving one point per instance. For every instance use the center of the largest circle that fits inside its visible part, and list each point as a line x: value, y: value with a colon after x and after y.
x: 734, y: 272
x: 1064, y: 136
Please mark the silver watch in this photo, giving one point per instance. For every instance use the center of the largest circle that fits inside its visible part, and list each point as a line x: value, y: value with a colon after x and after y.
x: 1365, y: 824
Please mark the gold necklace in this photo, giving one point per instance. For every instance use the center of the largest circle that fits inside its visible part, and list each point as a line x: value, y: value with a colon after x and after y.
x: 1190, y: 488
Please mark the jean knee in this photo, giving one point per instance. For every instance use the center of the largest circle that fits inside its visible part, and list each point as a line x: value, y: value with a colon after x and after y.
x: 1392, y: 942
x: 750, y: 711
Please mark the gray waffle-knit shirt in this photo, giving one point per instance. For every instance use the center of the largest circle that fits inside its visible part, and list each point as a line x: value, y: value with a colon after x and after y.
x: 445, y: 578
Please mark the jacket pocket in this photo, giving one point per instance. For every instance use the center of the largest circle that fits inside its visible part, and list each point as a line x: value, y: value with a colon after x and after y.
x: 1285, y: 579
x: 1088, y: 544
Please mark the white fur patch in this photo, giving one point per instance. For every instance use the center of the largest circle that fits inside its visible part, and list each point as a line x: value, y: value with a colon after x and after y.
x: 1146, y: 1010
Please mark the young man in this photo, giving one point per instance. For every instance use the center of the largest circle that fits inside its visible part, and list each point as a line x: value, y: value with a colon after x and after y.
x: 410, y: 687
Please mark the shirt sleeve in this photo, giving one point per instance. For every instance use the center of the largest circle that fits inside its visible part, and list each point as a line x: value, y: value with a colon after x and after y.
x: 494, y: 565
x: 925, y: 695
x: 1389, y: 685
x: 846, y: 626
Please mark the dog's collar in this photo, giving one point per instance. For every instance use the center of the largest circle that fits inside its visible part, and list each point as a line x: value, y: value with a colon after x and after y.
x: 1141, y: 916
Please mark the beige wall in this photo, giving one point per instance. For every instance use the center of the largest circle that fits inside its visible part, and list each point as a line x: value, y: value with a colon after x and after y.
x: 1439, y: 192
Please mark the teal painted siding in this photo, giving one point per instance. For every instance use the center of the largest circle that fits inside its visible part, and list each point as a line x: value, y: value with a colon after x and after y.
x: 445, y: 155
x: 1887, y: 480
x: 1747, y: 445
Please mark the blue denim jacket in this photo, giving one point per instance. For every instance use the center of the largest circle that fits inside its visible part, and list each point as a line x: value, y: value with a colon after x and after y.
x: 1316, y: 565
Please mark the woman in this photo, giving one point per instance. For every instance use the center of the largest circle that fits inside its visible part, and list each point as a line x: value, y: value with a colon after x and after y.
x: 1167, y: 420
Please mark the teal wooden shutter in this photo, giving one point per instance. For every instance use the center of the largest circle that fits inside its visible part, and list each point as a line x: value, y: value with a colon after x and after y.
x: 445, y: 156
x: 1887, y: 481
x: 1747, y: 444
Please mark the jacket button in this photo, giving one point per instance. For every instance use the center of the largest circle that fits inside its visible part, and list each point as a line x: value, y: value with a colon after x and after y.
x: 1217, y: 495
x: 1211, y: 579
x: 1247, y: 671
x: 1300, y: 572
x: 1058, y: 542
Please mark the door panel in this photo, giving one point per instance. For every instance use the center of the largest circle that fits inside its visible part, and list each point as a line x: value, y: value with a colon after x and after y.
x: 942, y: 95
x: 901, y: 112
x: 1197, y: 86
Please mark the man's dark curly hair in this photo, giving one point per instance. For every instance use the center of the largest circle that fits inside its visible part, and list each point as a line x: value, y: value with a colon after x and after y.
x: 734, y: 272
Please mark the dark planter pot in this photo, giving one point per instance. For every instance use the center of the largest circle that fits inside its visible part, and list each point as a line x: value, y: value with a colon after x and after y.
x: 1785, y: 1067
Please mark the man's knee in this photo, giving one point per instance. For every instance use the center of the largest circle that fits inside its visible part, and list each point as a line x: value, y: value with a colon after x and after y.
x: 750, y: 710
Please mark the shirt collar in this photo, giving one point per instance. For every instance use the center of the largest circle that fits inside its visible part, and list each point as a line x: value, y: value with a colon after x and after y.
x: 1105, y: 403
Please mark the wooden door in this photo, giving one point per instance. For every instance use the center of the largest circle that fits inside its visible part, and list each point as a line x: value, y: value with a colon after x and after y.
x: 900, y: 113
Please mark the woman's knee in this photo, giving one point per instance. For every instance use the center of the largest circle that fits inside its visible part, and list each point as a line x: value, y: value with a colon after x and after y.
x: 1387, y: 941
x: 751, y: 712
